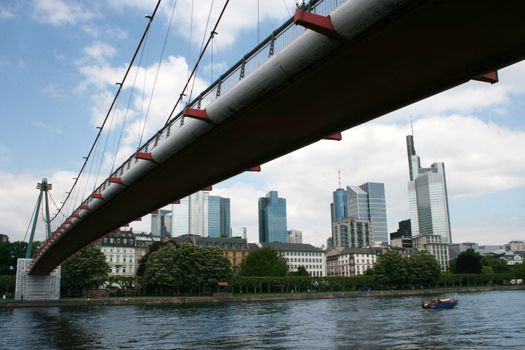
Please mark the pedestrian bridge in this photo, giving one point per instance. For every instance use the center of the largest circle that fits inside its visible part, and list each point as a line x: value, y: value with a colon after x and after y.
x: 335, y: 65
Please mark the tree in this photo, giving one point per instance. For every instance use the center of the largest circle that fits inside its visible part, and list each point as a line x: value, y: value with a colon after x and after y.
x: 141, y: 268
x: 87, y: 269
x: 187, y: 268
x: 423, y: 269
x: 301, y: 271
x: 468, y: 261
x: 10, y: 252
x: 391, y: 269
x: 264, y: 262
x: 496, y: 264
x: 518, y: 270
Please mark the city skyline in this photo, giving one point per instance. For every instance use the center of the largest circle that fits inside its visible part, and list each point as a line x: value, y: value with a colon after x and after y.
x: 71, y: 77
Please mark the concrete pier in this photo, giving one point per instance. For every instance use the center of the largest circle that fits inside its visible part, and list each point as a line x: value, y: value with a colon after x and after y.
x: 31, y: 287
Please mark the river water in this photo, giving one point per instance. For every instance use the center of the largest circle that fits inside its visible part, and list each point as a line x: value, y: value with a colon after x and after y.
x: 486, y: 320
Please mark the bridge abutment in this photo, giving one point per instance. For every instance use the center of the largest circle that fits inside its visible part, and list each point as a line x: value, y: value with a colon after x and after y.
x: 31, y: 287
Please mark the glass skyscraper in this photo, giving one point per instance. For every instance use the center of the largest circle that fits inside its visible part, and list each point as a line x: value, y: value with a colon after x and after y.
x: 161, y: 223
x: 190, y: 216
x: 428, y: 198
x: 272, y: 219
x: 219, y: 217
x: 354, y: 206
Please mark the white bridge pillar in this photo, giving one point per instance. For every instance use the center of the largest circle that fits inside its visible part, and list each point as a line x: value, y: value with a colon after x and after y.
x: 29, y: 287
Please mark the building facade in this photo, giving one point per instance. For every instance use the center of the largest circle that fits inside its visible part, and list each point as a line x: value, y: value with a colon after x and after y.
x: 433, y: 245
x: 119, y: 249
x: 352, y: 233
x: 161, y: 223
x: 296, y: 254
x: 295, y: 236
x: 219, y: 219
x: 272, y: 219
x: 349, y: 262
x: 143, y: 242
x: 428, y: 198
x: 190, y: 215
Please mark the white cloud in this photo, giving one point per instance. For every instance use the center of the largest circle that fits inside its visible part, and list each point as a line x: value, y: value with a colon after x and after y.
x: 6, y: 13
x: 60, y: 12
x: 52, y: 91
x: 20, y: 199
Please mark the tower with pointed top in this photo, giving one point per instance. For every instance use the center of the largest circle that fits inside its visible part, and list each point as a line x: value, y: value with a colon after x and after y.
x: 428, y: 198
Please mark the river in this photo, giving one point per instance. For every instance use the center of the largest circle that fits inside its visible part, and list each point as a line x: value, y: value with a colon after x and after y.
x: 485, y: 320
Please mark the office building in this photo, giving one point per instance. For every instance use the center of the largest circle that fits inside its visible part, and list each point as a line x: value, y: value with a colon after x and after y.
x: 295, y: 236
x: 241, y: 232
x: 219, y: 217
x: 428, y: 198
x: 190, y: 215
x: 161, y: 223
x: 402, y: 238
x: 359, y: 204
x: 455, y: 249
x: 352, y: 233
x: 434, y: 245
x: 350, y: 261
x: 272, y: 219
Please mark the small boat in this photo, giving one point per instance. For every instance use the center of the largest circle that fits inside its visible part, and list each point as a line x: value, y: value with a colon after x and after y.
x: 440, y: 303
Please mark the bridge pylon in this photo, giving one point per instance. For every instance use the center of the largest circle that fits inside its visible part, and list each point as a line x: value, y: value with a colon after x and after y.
x: 29, y: 287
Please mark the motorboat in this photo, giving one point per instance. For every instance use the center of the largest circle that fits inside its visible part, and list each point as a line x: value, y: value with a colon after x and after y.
x: 440, y: 303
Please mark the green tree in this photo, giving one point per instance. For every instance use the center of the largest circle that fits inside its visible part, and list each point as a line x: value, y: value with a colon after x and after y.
x: 423, y: 270
x: 391, y: 270
x: 495, y: 263
x: 518, y: 271
x: 301, y: 271
x: 141, y: 268
x: 187, y: 268
x: 87, y: 269
x: 264, y: 262
x: 468, y: 261
x: 9, y: 254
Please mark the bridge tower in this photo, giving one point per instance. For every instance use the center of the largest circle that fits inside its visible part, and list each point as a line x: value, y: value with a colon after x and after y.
x: 31, y: 287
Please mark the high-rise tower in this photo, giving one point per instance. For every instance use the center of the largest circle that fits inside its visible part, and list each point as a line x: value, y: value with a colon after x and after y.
x: 428, y: 198
x: 272, y: 219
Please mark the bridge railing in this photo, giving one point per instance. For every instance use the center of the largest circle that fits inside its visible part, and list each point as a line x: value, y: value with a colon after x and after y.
x: 271, y: 45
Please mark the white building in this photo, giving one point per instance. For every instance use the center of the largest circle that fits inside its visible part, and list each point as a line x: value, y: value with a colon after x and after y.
x: 350, y: 261
x: 119, y: 249
x: 300, y: 254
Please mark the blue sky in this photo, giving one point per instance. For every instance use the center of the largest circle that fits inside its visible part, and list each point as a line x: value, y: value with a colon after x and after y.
x: 60, y: 59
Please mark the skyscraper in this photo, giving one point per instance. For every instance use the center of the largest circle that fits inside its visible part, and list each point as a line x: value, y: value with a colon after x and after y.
x: 161, y: 223
x: 219, y: 217
x: 272, y: 219
x: 190, y: 216
x: 295, y: 236
x: 428, y: 198
x: 353, y: 208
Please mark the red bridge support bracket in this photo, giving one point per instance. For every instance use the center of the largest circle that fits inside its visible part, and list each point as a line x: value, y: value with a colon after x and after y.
x: 200, y: 114
x: 97, y: 196
x: 176, y: 201
x: 491, y: 77
x: 115, y: 180
x: 334, y: 137
x: 75, y: 215
x: 84, y: 207
x: 208, y: 188
x: 317, y: 23
x: 256, y: 168
x: 144, y: 156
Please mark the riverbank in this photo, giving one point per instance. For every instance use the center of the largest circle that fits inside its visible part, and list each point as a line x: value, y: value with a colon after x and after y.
x: 223, y: 298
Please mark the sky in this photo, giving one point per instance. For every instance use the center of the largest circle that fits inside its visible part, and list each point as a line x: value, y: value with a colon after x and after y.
x: 60, y: 60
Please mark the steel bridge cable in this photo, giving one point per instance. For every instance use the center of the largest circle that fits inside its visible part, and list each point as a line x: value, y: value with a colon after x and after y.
x: 198, y: 61
x: 202, y: 45
x: 190, y: 40
x: 158, y: 69
x: 30, y: 220
x: 116, y: 95
x: 287, y: 9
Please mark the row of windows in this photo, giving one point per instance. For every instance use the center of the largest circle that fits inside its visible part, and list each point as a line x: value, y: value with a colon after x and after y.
x: 302, y: 253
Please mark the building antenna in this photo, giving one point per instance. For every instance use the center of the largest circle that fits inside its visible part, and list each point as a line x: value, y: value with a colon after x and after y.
x: 339, y: 173
x: 411, y: 126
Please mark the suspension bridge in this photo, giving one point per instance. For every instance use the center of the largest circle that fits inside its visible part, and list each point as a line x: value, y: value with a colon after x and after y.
x: 333, y: 65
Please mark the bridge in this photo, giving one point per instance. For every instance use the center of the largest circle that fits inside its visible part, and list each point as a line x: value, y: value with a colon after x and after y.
x: 334, y: 65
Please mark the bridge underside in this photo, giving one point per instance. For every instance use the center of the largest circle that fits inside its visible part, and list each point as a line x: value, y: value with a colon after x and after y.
x: 428, y: 48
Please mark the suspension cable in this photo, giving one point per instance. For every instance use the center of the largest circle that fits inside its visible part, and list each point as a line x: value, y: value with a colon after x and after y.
x: 198, y: 61
x: 158, y: 69
x: 30, y: 220
x: 112, y: 103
